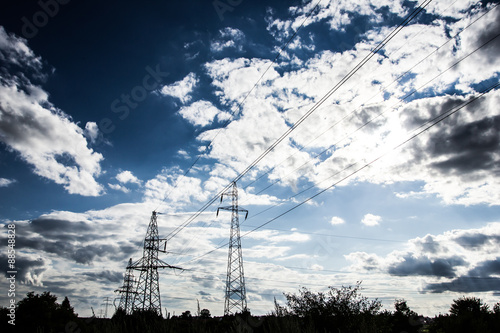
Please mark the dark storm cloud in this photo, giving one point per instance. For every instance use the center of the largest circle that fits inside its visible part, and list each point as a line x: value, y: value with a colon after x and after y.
x: 486, y: 268
x: 68, y: 240
x: 208, y: 282
x: 114, y: 277
x: 125, y: 250
x: 444, y: 267
x: 474, y: 146
x: 59, y: 287
x: 460, y: 148
x: 370, y: 264
x: 45, y: 226
x: 492, y: 49
x: 474, y: 143
x: 19, y: 126
x: 78, y: 253
x: 478, y: 279
x: 23, y: 265
x: 432, y: 111
x: 429, y: 245
x: 82, y: 254
x: 465, y: 284
x: 477, y: 241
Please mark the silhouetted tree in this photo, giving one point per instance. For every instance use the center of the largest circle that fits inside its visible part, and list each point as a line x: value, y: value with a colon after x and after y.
x: 279, y: 311
x: 496, y: 308
x: 344, y: 301
x: 342, y: 308
x: 66, y: 306
x: 465, y: 306
x: 186, y: 315
x: 404, y: 319
x: 43, y: 313
x: 205, y: 314
x: 467, y: 314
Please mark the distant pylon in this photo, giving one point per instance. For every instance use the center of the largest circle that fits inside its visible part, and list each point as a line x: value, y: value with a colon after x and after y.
x: 235, y: 298
x: 147, y: 297
x: 127, y: 290
x: 106, y: 303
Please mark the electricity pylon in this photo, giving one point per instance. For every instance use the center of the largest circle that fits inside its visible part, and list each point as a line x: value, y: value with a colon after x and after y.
x: 106, y: 303
x: 127, y: 290
x: 235, y: 298
x: 147, y: 297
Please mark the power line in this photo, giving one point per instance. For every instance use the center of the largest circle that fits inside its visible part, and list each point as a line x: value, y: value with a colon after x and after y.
x: 354, y: 112
x: 439, y: 119
x: 334, y: 235
x: 434, y: 121
x: 240, y: 104
x: 421, y: 30
x: 366, y: 123
x: 348, y: 76
x: 279, y: 283
x: 335, y: 88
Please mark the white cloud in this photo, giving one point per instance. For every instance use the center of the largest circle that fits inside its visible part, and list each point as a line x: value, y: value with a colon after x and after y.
x: 362, y: 261
x: 451, y: 261
x: 336, y: 220
x: 4, y: 182
x: 338, y: 14
x: 202, y: 113
x: 266, y: 251
x: 235, y: 78
x: 92, y: 131
x: 274, y: 236
x: 49, y: 140
x: 14, y: 50
x: 43, y: 135
x: 183, y: 154
x: 371, y: 220
x: 228, y: 38
x: 454, y: 9
x: 119, y: 187
x: 181, y: 89
x: 361, y: 121
x: 248, y: 198
x: 126, y: 176
x: 170, y: 185
x: 316, y: 267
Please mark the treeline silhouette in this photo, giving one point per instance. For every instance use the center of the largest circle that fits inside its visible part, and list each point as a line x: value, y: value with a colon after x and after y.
x: 337, y: 310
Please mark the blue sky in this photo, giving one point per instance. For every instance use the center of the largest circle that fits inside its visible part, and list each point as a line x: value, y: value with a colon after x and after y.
x: 105, y: 106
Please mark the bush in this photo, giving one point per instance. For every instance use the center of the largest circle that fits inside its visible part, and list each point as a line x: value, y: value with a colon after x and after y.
x: 343, y: 309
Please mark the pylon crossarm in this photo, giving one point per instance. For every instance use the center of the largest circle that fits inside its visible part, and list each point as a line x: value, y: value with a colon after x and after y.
x: 230, y: 209
x: 163, y: 264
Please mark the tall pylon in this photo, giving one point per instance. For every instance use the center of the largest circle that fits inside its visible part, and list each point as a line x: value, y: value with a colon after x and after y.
x: 235, y: 298
x: 147, y: 297
x: 127, y: 290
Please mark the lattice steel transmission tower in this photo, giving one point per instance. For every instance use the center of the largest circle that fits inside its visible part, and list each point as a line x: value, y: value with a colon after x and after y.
x: 235, y: 298
x: 147, y: 297
x: 127, y: 290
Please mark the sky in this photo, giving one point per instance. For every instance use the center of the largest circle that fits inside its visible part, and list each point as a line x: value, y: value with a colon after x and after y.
x: 384, y: 167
